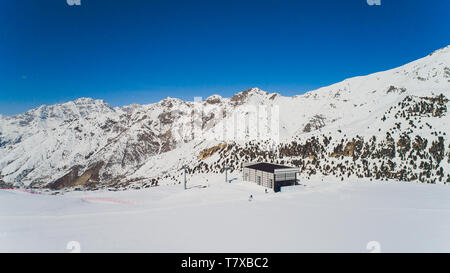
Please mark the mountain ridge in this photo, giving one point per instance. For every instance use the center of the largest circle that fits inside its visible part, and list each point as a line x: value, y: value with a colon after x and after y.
x: 88, y: 143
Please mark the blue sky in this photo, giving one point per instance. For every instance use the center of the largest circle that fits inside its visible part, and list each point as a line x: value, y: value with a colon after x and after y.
x: 142, y: 51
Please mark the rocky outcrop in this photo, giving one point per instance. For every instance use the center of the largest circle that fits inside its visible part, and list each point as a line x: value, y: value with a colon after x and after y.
x: 71, y: 179
x: 315, y: 123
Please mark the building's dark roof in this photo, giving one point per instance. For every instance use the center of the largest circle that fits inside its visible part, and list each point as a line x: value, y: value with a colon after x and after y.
x: 266, y: 167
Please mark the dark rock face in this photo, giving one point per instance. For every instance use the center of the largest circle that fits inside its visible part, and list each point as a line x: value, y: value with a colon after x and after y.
x: 65, y: 181
x: 239, y: 99
x: 71, y: 179
x: 213, y: 100
x: 446, y: 72
x: 315, y: 123
x: 3, y: 184
x: 393, y: 89
x: 166, y: 118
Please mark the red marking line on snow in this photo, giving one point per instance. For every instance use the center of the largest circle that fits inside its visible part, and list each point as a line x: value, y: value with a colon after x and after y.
x: 105, y: 199
x: 21, y: 190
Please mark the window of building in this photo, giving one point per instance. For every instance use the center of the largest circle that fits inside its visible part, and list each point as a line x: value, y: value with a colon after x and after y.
x: 290, y: 176
x: 280, y: 177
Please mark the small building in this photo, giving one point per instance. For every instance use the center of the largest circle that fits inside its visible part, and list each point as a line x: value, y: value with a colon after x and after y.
x: 270, y: 175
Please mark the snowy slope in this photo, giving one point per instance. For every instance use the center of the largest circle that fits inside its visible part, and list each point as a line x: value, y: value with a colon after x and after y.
x: 328, y: 216
x: 88, y: 143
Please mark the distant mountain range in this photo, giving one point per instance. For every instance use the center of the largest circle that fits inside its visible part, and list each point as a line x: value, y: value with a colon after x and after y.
x: 391, y: 125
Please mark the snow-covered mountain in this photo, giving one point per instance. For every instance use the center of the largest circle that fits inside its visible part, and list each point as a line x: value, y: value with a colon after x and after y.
x: 388, y: 125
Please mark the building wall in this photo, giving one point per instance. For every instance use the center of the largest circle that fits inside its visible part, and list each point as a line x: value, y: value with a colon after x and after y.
x: 251, y: 175
x: 282, y: 177
x: 279, y: 184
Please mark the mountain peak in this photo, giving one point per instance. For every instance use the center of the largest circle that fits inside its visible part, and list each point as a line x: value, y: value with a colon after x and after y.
x: 255, y: 90
x: 214, y: 99
x: 170, y: 102
x: 86, y: 100
x: 243, y: 96
x: 170, y: 99
x: 83, y: 100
